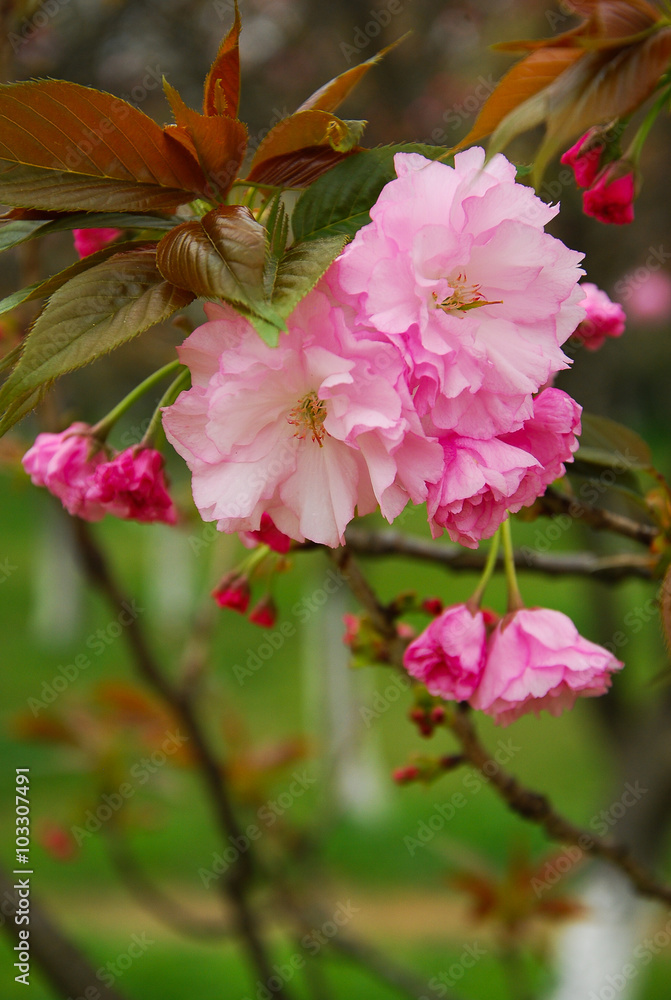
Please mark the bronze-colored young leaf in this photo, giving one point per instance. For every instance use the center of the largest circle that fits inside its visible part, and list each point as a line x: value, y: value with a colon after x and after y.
x: 93, y: 313
x: 333, y: 93
x: 525, y: 80
x: 609, y: 23
x: 218, y: 142
x: 222, y: 83
x: 299, y: 133
x: 599, y: 88
x: 219, y: 256
x: 72, y: 148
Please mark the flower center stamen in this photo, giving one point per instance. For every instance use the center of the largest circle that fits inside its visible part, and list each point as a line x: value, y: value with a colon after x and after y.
x: 463, y: 297
x: 308, y: 416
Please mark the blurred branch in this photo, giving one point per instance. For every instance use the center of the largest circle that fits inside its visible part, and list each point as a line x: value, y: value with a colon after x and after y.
x: 611, y: 569
x: 61, y: 962
x: 528, y: 804
x: 538, y: 809
x: 236, y: 882
x: 552, y: 502
x: 166, y: 909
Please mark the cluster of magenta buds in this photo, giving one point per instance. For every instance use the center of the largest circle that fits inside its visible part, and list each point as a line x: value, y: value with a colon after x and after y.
x: 234, y: 590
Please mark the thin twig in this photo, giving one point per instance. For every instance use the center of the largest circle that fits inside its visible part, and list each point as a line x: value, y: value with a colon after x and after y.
x: 538, y: 809
x: 236, y: 881
x: 531, y: 805
x: 611, y: 569
x: 553, y: 502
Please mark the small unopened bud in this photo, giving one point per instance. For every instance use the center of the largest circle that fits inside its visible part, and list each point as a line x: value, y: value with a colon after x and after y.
x: 264, y: 613
x: 233, y: 592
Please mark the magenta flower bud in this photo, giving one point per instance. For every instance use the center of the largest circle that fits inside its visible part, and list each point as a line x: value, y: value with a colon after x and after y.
x: 585, y: 157
x: 233, y: 592
x: 132, y: 486
x: 611, y: 197
x: 89, y: 241
x: 65, y: 464
x: 264, y: 613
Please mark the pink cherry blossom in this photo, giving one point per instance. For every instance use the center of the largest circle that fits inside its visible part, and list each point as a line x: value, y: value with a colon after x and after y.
x: 483, y: 481
x: 65, y: 463
x: 132, y: 486
x: 89, y: 241
x: 611, y: 197
x: 537, y: 660
x: 305, y: 432
x: 604, y: 318
x: 585, y: 156
x: 449, y: 655
x: 456, y: 270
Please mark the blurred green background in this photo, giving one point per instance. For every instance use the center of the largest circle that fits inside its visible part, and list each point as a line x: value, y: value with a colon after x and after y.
x: 303, y: 703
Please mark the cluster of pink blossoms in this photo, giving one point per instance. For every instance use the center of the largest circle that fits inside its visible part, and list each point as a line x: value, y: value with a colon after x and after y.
x: 90, y: 483
x: 532, y: 659
x: 413, y: 372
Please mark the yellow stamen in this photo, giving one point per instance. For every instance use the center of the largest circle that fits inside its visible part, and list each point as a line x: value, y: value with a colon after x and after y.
x: 309, y: 415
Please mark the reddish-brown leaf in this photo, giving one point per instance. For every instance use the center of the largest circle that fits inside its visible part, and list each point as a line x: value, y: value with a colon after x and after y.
x: 299, y: 168
x: 222, y: 83
x: 526, y: 79
x: 608, y: 24
x: 333, y: 93
x: 221, y: 255
x: 601, y: 87
x: 218, y: 142
x: 302, y: 136
x: 68, y: 148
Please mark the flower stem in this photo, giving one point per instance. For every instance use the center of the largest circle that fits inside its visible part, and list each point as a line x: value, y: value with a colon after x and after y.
x: 104, y: 426
x: 476, y: 598
x: 515, y: 601
x: 634, y: 151
x: 168, y: 397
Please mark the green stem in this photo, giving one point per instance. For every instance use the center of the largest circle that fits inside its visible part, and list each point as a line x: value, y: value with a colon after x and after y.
x: 476, y: 599
x: 168, y: 397
x: 104, y: 426
x: 515, y: 601
x: 634, y: 151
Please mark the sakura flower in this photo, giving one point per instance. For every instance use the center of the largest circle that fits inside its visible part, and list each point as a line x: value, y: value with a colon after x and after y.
x: 537, y: 660
x: 484, y: 480
x: 305, y: 432
x: 604, y: 318
x: 89, y: 241
x: 65, y: 463
x: 611, y: 197
x: 456, y: 270
x: 132, y: 486
x: 449, y: 656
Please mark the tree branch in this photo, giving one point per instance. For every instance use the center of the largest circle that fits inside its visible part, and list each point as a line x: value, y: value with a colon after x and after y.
x: 610, y: 569
x: 235, y: 883
x: 536, y: 807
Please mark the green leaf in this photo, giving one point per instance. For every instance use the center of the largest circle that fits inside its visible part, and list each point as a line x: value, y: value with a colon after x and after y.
x: 20, y: 231
x: 606, y: 442
x: 339, y: 202
x: 41, y: 289
x: 93, y: 313
x: 296, y: 274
